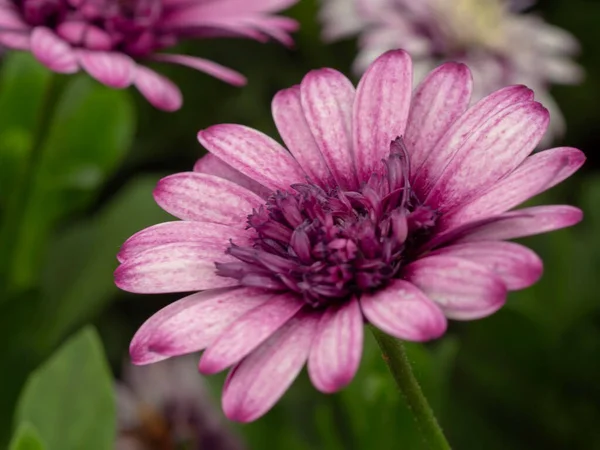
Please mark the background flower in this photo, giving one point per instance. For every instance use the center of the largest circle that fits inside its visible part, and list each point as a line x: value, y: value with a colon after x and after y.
x: 499, y: 43
x: 106, y: 38
x: 355, y: 223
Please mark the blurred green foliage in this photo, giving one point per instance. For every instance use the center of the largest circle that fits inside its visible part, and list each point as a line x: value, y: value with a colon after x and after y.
x: 78, y: 162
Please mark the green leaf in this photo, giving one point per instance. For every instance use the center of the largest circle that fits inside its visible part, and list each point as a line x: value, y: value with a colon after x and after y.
x: 23, y: 86
x: 26, y: 438
x: 70, y: 398
x: 89, y: 134
x: 77, y: 280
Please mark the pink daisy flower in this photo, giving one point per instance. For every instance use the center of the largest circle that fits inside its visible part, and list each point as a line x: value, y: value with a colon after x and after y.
x: 390, y: 207
x: 106, y: 38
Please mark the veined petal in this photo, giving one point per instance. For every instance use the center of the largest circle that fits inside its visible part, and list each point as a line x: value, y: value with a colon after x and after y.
x: 177, y: 267
x: 464, y: 290
x: 524, y: 222
x: 538, y: 173
x: 381, y: 109
x: 295, y: 132
x: 52, y: 51
x: 248, y: 332
x: 192, y: 323
x: 443, y: 152
x: 255, y: 384
x: 327, y: 97
x: 517, y: 266
x: 110, y: 68
x: 254, y: 154
x: 403, y: 311
x: 180, y: 232
x: 203, y: 65
x: 212, y: 165
x: 337, y: 347
x: 161, y: 92
x: 489, y: 153
x: 441, y: 98
x: 205, y: 198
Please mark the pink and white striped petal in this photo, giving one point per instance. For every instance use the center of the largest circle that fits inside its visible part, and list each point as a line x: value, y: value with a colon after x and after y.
x: 209, y: 164
x: 182, y: 232
x: 538, y: 173
x: 203, y: 65
x: 337, y: 347
x: 205, y: 198
x: 443, y: 152
x: 113, y: 69
x: 441, y: 98
x: 248, y: 332
x: 161, y: 92
x: 517, y: 266
x: 52, y: 51
x: 255, y: 384
x: 295, y: 132
x: 192, y: 323
x: 254, y: 154
x: 493, y: 150
x: 380, y: 110
x: 178, y: 267
x: 464, y: 290
x: 403, y: 311
x: 524, y: 222
x: 327, y: 97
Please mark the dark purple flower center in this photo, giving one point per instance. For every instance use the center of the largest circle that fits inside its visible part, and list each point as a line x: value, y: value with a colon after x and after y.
x: 128, y: 26
x: 331, y: 245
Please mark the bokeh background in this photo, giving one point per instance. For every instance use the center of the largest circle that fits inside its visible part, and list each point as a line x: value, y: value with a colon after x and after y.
x: 525, y: 378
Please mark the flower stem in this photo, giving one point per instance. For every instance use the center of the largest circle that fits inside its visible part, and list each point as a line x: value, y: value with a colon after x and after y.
x: 395, y: 357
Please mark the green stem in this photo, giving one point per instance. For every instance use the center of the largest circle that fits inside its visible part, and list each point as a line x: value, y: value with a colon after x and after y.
x: 395, y: 357
x: 11, y: 234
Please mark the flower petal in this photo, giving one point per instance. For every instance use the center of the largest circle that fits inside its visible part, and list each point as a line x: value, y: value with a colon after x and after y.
x: 254, y: 154
x: 463, y: 289
x: 256, y: 383
x: 295, y: 132
x: 192, y: 323
x: 205, y: 198
x: 524, y: 222
x: 161, y: 92
x: 181, y: 232
x: 538, y: 173
x: 517, y: 266
x: 110, y: 68
x: 248, y: 332
x: 17, y: 40
x: 337, y: 347
x: 489, y: 153
x: 443, y: 152
x: 441, y: 98
x: 203, y: 65
x: 178, y: 267
x: 381, y: 109
x: 212, y: 165
x: 52, y: 51
x: 403, y: 311
x: 327, y: 97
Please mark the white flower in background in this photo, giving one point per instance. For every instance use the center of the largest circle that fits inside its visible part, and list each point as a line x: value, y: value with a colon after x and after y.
x: 500, y: 44
x: 168, y: 406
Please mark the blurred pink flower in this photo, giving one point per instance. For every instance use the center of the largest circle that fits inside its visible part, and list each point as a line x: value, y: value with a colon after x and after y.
x: 106, y: 38
x: 390, y: 207
x: 501, y: 45
x: 167, y: 406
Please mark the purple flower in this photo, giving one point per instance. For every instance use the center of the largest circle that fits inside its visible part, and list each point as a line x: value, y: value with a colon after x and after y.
x: 167, y: 406
x: 500, y: 44
x: 391, y: 207
x: 106, y: 38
